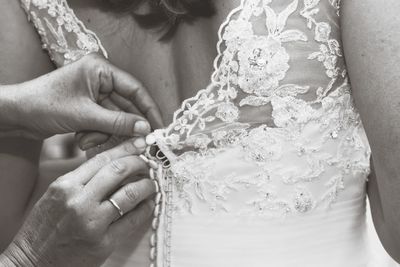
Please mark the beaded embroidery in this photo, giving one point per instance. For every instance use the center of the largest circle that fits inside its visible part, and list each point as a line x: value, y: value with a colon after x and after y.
x: 250, y: 115
x: 250, y: 70
x: 63, y: 35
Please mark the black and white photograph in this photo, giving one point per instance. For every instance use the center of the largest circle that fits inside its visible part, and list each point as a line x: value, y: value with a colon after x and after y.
x: 199, y: 133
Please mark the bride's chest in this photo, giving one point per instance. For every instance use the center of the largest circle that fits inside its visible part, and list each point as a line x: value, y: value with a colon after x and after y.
x: 172, y: 70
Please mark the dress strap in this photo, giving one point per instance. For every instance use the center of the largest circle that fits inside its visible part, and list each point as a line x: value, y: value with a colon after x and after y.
x: 63, y: 35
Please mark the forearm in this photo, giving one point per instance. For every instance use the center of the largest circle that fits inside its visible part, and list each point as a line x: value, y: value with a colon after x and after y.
x: 10, y: 103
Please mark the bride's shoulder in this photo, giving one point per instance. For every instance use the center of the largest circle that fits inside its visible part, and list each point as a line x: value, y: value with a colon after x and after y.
x: 21, y: 55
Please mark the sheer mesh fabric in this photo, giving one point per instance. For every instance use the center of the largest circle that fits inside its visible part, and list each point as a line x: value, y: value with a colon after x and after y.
x: 275, y: 137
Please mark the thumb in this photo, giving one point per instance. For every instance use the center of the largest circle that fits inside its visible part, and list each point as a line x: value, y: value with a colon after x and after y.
x: 117, y: 123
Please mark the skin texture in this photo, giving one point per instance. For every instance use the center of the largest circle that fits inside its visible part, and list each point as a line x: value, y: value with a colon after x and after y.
x: 371, y: 41
x: 74, y: 224
x: 159, y: 66
x: 77, y: 94
x: 171, y: 71
x: 18, y: 157
x: 176, y: 70
x: 73, y: 98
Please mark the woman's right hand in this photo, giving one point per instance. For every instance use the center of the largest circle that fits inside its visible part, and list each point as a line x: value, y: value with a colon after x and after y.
x: 74, y: 223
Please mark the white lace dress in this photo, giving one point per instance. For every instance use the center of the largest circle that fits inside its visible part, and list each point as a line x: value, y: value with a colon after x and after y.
x: 267, y: 166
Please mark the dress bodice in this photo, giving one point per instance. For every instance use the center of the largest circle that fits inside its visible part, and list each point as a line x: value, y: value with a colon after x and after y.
x: 276, y: 127
x: 274, y: 138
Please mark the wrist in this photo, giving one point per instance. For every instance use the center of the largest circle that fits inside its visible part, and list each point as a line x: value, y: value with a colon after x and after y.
x: 15, y: 256
x: 6, y: 262
x: 10, y: 107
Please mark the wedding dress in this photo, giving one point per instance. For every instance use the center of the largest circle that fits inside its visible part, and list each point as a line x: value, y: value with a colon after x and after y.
x: 268, y: 165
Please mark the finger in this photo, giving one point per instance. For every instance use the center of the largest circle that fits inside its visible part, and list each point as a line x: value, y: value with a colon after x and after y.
x: 133, y: 90
x: 124, y: 104
x: 115, y: 79
x: 131, y: 221
x: 110, y: 177
x: 78, y: 136
x: 128, y: 197
x: 112, y: 142
x: 87, y: 140
x: 110, y: 105
x: 86, y: 171
x: 116, y: 122
x: 93, y: 139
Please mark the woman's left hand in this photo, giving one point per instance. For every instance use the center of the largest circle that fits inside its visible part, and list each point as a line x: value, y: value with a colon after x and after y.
x: 90, y: 95
x: 85, y: 213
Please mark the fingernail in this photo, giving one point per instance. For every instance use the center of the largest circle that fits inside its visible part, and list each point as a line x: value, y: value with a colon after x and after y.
x: 141, y: 127
x: 139, y: 142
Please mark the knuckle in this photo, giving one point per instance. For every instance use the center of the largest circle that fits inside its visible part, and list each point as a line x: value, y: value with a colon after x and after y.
x: 61, y: 188
x: 72, y: 207
x: 120, y: 122
x: 117, y: 166
x: 96, y: 66
x: 75, y: 212
x: 101, y: 71
x: 132, y: 192
x: 91, y: 230
x: 135, y: 91
x: 102, y: 158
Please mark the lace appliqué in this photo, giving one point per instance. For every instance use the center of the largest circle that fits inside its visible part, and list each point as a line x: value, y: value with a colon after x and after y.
x: 329, y: 48
x: 197, y: 184
x: 322, y: 139
x: 319, y: 137
x: 63, y: 35
x: 252, y: 63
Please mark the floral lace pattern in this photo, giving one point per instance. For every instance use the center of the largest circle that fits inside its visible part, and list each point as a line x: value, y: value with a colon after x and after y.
x: 252, y: 67
x: 226, y: 157
x: 281, y: 164
x: 314, y: 149
x: 63, y: 35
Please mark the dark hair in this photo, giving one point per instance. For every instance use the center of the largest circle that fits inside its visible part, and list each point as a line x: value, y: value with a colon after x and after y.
x: 165, y: 15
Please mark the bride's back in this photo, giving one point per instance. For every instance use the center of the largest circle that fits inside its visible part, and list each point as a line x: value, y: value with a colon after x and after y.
x: 275, y: 136
x: 272, y: 155
x: 175, y: 70
x: 172, y: 70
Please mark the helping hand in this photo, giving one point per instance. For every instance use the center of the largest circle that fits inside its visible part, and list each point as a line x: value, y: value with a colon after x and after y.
x: 74, y: 223
x: 90, y: 96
